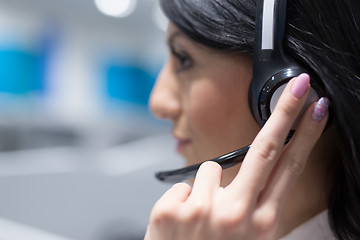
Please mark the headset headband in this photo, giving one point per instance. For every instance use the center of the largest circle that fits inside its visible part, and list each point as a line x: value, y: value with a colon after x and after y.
x: 272, y: 68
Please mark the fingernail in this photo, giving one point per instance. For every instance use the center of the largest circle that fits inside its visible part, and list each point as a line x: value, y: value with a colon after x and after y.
x: 320, y: 109
x: 300, y: 85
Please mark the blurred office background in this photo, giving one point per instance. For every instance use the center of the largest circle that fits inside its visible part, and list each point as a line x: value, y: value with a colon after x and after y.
x: 78, y: 146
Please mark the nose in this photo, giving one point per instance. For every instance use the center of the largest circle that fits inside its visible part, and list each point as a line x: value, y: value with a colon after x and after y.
x: 165, y: 97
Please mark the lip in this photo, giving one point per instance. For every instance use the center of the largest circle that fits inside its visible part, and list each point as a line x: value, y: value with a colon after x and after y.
x: 182, y: 143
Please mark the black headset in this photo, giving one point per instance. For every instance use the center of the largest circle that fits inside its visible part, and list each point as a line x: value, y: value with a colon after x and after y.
x: 272, y: 69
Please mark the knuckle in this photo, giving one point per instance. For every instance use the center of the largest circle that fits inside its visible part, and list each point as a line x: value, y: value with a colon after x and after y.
x: 195, y: 211
x: 232, y: 219
x: 163, y: 213
x: 161, y: 217
x: 268, y: 151
x: 266, y: 221
x: 288, y: 108
x: 231, y: 222
x: 295, y: 164
x: 312, y: 134
x: 269, y: 220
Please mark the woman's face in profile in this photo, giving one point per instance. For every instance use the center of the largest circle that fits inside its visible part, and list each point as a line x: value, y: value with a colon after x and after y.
x: 204, y: 92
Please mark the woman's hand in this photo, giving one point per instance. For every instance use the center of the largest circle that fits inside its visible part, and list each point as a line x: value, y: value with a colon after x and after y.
x: 249, y: 207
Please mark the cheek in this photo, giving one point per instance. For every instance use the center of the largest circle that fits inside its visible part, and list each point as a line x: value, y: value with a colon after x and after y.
x: 219, y: 117
x: 208, y: 111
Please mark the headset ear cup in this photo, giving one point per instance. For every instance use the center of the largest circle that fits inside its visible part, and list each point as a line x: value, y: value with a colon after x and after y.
x: 270, y: 89
x: 314, y: 95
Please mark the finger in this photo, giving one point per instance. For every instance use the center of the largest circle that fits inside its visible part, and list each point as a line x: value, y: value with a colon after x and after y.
x: 294, y: 158
x: 165, y: 212
x: 171, y: 200
x: 208, y: 179
x: 194, y: 213
x: 269, y: 143
x: 179, y: 192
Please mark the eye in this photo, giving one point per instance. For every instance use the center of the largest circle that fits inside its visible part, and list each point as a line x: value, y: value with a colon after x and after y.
x: 183, y: 59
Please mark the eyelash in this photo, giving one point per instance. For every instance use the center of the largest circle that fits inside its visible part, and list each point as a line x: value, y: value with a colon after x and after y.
x: 184, y: 60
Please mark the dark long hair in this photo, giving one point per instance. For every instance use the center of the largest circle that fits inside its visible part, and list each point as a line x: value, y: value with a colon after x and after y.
x: 324, y: 36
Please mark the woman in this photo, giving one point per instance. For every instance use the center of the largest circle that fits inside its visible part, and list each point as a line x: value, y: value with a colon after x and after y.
x: 309, y: 188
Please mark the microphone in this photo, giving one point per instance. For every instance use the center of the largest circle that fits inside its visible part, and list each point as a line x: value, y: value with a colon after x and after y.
x: 225, y: 161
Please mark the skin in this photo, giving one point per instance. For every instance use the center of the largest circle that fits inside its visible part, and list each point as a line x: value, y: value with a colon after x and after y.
x: 198, y: 98
x: 204, y: 92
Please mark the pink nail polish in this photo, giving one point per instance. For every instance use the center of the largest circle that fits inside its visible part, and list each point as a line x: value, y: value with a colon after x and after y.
x: 300, y: 85
x: 320, y: 110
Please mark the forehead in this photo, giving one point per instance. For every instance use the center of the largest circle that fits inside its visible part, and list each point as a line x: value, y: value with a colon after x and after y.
x: 174, y: 32
x: 176, y: 37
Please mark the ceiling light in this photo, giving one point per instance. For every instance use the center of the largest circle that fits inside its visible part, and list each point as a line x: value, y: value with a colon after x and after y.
x: 116, y: 8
